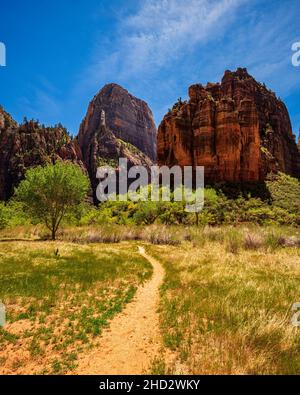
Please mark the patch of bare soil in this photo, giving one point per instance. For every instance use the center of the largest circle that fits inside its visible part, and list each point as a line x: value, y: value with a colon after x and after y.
x: 133, y: 340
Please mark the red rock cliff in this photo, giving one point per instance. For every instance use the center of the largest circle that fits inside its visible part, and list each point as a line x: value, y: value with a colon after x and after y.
x: 29, y: 145
x: 128, y: 117
x: 100, y: 147
x: 238, y: 129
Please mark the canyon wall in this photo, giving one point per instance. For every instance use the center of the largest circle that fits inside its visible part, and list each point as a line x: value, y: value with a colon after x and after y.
x: 129, y: 118
x: 28, y: 145
x: 238, y: 129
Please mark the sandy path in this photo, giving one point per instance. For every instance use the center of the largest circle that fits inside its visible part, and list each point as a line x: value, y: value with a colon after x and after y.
x: 133, y: 339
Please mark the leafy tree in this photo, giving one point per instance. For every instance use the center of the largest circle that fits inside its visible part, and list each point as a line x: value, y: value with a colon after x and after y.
x: 147, y: 213
x: 285, y: 193
x: 49, y: 193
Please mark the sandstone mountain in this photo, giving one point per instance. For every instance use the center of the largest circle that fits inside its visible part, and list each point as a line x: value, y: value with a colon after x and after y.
x: 238, y: 129
x: 29, y: 145
x: 102, y: 148
x: 117, y: 125
x: 129, y: 118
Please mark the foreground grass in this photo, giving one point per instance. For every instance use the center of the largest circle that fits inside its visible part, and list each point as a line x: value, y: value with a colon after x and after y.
x: 226, y: 306
x: 59, y: 297
x: 225, y: 303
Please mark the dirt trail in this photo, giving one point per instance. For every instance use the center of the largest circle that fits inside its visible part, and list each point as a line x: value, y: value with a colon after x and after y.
x: 132, y: 341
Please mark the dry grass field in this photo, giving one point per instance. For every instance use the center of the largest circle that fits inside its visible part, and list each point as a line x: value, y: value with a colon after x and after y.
x: 225, y: 303
x: 59, y: 296
x: 226, y: 306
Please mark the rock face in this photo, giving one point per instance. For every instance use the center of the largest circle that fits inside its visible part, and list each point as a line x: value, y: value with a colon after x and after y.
x: 28, y: 145
x: 128, y: 117
x: 100, y: 147
x: 238, y: 129
x: 117, y: 125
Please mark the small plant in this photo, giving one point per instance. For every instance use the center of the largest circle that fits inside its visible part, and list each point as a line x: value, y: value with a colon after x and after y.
x: 253, y: 241
x: 160, y: 235
x: 274, y: 240
x: 233, y: 241
x: 158, y: 367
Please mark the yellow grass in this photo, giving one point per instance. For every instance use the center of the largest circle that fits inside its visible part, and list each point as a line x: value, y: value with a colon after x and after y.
x: 225, y: 313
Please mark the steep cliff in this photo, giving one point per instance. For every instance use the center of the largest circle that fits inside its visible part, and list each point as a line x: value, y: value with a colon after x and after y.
x: 100, y: 147
x: 29, y: 145
x: 128, y: 117
x: 238, y: 129
x: 117, y: 125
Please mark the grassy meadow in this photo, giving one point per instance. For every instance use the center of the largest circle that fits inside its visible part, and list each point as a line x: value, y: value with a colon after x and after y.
x: 59, y: 296
x: 225, y: 305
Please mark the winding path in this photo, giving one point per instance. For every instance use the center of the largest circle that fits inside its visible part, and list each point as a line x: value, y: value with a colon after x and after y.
x: 132, y: 341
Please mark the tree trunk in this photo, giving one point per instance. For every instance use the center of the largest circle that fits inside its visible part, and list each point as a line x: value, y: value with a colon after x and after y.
x: 53, y: 234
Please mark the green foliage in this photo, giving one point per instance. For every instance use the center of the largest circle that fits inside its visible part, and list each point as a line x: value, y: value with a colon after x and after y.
x: 279, y: 203
x: 3, y: 216
x: 285, y: 193
x: 13, y: 214
x: 101, y: 161
x: 50, y: 193
x: 69, y: 298
x: 281, y: 207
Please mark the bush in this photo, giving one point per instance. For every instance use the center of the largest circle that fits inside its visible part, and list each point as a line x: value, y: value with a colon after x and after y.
x: 274, y: 239
x: 253, y: 241
x: 282, y: 207
x: 3, y: 216
x: 160, y: 235
x: 285, y: 193
x: 233, y: 241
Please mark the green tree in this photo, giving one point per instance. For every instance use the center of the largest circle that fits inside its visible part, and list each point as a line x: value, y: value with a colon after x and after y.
x: 285, y: 193
x: 49, y: 193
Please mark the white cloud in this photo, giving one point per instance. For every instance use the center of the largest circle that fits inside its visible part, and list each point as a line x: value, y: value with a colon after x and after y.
x: 159, y: 47
x: 158, y: 33
x: 162, y: 29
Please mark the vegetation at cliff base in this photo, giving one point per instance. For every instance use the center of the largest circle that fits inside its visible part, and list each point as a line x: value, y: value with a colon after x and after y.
x: 280, y: 205
x: 277, y: 205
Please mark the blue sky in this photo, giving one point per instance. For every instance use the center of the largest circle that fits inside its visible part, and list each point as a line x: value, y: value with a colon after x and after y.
x: 60, y: 53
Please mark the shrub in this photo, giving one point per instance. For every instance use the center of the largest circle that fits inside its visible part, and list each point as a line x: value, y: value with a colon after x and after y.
x: 280, y: 206
x: 3, y: 216
x: 233, y: 240
x: 146, y: 213
x: 253, y: 241
x: 274, y: 239
x: 160, y: 235
x: 285, y: 193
